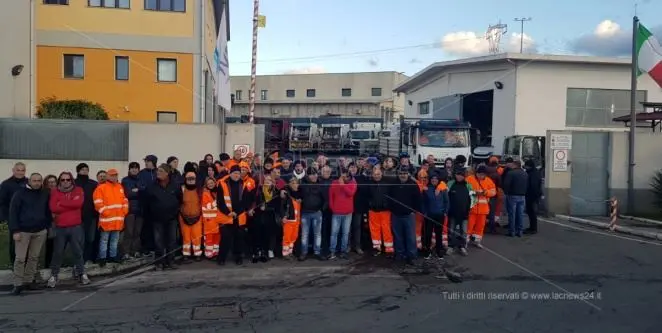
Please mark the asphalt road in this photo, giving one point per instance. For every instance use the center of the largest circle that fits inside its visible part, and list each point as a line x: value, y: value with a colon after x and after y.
x: 619, y: 277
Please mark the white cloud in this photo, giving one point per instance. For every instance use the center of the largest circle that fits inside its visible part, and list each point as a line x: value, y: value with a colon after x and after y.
x: 307, y: 70
x: 468, y: 43
x: 607, y: 39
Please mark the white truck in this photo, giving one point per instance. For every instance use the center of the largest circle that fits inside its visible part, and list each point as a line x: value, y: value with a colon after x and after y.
x: 302, y: 136
x: 423, y: 137
x: 363, y: 136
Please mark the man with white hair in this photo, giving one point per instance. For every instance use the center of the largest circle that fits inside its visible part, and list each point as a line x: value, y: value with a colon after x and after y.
x: 7, y: 189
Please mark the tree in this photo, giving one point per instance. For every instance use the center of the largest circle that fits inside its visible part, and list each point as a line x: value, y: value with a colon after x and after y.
x: 51, y: 108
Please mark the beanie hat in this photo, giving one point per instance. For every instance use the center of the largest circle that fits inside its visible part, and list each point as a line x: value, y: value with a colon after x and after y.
x: 81, y: 166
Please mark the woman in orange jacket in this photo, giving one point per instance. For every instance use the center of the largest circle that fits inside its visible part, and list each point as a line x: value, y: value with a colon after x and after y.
x: 210, y: 219
x: 485, y: 189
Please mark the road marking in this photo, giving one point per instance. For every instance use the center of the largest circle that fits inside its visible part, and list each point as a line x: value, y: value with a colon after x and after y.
x: 599, y: 232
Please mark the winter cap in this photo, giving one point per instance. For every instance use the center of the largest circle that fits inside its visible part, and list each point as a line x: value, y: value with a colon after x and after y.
x: 372, y: 160
x: 481, y: 169
x: 151, y: 158
x: 235, y: 168
x: 458, y: 170
x: 134, y: 165
x: 171, y: 158
x: 223, y: 157
x: 81, y: 166
x: 244, y: 165
x: 112, y: 172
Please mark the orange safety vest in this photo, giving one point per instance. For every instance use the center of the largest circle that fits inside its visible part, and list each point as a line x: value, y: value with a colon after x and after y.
x: 441, y: 187
x: 297, y: 211
x: 482, y: 206
x: 210, y: 215
x: 225, y: 219
x: 249, y: 183
x: 112, y: 205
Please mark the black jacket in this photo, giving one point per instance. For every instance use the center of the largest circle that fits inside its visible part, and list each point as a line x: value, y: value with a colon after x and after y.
x: 312, y: 197
x: 459, y: 201
x: 7, y: 189
x: 88, y: 212
x: 534, y: 188
x: 516, y: 182
x: 404, y: 198
x: 29, y: 211
x: 129, y: 183
x: 361, y: 196
x: 161, y: 204
x: 377, y: 194
x: 287, y: 208
x: 273, y: 207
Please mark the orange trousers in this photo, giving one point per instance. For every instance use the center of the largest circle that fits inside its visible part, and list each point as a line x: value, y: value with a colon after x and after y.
x: 420, y: 221
x: 212, y: 238
x: 380, y: 230
x: 444, y: 233
x: 499, y: 205
x: 191, y: 238
x: 476, y: 226
x: 290, y: 235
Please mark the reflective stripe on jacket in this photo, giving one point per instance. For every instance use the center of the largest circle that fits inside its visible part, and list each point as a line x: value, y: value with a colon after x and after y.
x: 482, y: 206
x: 112, y: 205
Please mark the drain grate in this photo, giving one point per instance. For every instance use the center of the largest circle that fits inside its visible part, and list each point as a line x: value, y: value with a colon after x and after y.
x: 222, y: 312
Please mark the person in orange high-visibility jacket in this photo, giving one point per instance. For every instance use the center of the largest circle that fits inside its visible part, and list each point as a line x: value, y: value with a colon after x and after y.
x: 190, y: 218
x: 291, y: 214
x: 485, y: 189
x: 232, y: 201
x: 249, y: 182
x: 422, y: 181
x: 210, y: 219
x: 112, y: 205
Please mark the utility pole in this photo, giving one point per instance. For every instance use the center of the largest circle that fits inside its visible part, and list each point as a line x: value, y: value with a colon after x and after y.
x: 521, y: 37
x: 251, y: 97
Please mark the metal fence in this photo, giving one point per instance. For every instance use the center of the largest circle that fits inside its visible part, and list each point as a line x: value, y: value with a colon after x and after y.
x: 78, y: 140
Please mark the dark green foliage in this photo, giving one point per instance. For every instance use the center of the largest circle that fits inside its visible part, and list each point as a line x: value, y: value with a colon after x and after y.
x: 51, y: 108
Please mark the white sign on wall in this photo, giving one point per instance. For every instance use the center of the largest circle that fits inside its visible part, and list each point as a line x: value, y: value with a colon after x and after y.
x: 561, y: 141
x: 560, y: 160
x: 243, y: 148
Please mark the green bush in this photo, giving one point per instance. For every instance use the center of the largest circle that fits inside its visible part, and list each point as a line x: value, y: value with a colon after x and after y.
x: 656, y: 187
x: 51, y: 108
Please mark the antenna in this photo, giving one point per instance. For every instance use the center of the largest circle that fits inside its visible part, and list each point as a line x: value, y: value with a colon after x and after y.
x: 493, y: 36
x: 521, y: 37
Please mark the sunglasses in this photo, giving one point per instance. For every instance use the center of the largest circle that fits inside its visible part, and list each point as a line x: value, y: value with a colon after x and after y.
x: 65, y: 179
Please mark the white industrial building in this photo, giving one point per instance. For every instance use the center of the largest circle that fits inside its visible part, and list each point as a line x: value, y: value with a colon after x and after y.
x: 365, y: 95
x: 526, y: 94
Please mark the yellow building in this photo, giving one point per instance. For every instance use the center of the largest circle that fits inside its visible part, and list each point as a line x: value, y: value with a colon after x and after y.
x: 143, y: 60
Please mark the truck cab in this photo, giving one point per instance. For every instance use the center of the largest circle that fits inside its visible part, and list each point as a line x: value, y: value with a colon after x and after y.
x: 440, y: 138
x: 525, y: 147
x: 331, y: 137
x: 301, y: 136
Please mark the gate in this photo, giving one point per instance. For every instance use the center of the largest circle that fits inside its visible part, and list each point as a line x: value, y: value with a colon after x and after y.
x: 589, y: 179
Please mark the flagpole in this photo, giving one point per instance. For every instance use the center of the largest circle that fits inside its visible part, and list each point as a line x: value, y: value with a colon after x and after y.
x: 251, y: 101
x: 633, y: 115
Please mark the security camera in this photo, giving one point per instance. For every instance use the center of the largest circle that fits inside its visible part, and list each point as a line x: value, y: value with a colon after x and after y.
x: 498, y: 85
x: 16, y: 70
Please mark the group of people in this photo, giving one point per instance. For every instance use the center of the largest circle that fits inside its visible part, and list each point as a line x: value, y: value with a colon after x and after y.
x: 260, y: 207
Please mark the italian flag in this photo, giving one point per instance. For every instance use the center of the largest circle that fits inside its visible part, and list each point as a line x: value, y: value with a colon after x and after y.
x: 649, y: 55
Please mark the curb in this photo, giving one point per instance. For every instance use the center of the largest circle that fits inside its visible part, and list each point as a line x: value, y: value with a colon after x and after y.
x: 641, y: 219
x: 7, y: 276
x: 620, y: 229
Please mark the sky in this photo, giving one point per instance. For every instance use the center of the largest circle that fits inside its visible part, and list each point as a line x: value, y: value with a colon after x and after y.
x: 339, y: 36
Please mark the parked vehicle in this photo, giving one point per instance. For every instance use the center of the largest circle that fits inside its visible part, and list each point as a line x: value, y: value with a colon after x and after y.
x: 301, y: 136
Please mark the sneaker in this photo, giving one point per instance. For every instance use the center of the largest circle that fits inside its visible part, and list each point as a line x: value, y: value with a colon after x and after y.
x: 126, y: 257
x: 271, y: 254
x: 359, y: 251
x: 450, y: 251
x: 463, y: 251
x: 137, y: 255
x: 428, y: 255
x: 377, y: 253
x: 320, y: 257
x: 331, y: 256
x: 52, y: 281
x: 302, y: 258
x: 84, y: 279
x: 17, y: 290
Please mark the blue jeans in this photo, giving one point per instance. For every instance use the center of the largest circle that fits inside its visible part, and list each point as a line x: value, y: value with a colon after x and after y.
x: 108, y: 244
x: 515, y: 213
x: 313, y: 220
x: 340, y: 224
x: 404, y: 236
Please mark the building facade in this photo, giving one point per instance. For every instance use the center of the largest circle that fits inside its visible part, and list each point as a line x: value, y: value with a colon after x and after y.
x: 143, y: 60
x: 303, y: 96
x: 16, y: 86
x: 532, y: 93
